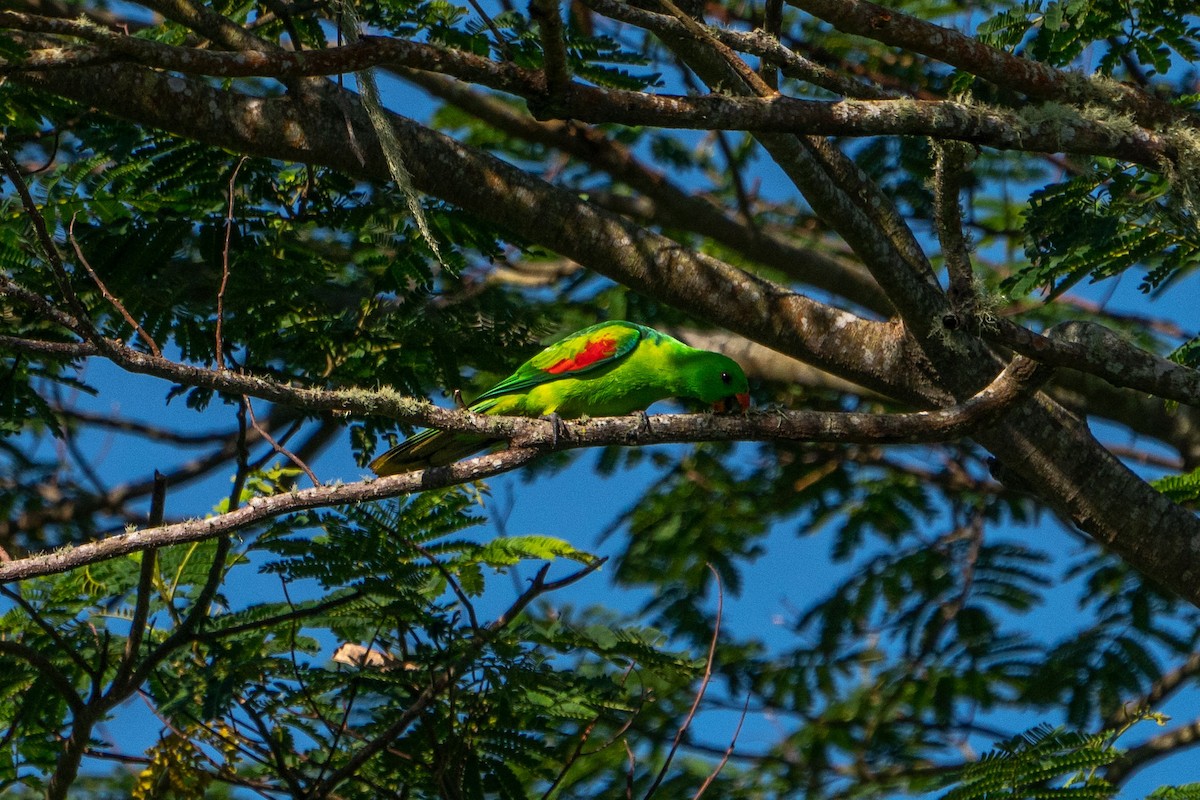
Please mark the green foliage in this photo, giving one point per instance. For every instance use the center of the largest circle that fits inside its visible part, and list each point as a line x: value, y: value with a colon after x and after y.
x: 1028, y: 766
x: 1103, y: 222
x: 1150, y: 32
x: 1187, y: 792
x: 1183, y: 488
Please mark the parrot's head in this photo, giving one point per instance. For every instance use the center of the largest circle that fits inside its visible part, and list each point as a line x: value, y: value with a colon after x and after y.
x: 718, y: 380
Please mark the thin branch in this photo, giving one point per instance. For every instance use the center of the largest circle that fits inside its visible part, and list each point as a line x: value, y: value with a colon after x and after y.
x: 145, y: 585
x: 114, y: 500
x: 260, y: 509
x: 274, y: 746
x: 586, y: 734
x: 220, y: 344
x: 133, y: 426
x: 712, y: 776
x: 80, y: 322
x: 106, y: 294
x: 501, y: 42
x: 548, y: 15
x: 279, y: 448
x: 451, y: 581
x: 699, y: 696
x: 734, y: 171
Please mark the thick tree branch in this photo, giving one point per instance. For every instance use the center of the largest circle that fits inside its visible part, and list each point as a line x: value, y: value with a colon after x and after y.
x: 672, y: 206
x: 1092, y: 348
x: 1033, y: 78
x: 1075, y: 132
x: 548, y: 16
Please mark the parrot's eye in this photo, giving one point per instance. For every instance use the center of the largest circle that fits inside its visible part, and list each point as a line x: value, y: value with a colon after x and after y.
x: 726, y: 377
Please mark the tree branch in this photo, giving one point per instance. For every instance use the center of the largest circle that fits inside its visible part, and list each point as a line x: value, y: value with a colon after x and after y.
x: 1034, y: 78
x: 1094, y: 349
x: 970, y: 122
x: 1152, y: 750
x: 532, y: 438
x: 1160, y: 690
x: 672, y: 206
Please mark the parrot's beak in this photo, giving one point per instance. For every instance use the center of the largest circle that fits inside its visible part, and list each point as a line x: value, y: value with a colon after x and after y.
x: 726, y: 403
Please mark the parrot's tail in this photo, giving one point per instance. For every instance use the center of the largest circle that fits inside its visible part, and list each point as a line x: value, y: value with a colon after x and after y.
x: 429, y: 448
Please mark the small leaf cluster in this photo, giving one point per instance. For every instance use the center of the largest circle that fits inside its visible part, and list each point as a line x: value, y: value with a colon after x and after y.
x: 1028, y: 765
x: 1099, y: 224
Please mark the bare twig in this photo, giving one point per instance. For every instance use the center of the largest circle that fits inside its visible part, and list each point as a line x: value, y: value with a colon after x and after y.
x: 107, y: 295
x: 708, y: 669
x: 451, y: 581
x: 279, y: 448
x: 220, y: 344
x: 728, y: 752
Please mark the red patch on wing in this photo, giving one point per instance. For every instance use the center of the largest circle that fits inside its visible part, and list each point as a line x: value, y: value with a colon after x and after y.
x: 593, y: 351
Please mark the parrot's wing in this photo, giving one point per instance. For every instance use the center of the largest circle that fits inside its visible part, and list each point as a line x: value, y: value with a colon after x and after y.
x: 589, y: 349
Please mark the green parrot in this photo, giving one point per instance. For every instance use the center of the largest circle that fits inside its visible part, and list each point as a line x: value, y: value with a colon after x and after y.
x: 607, y: 370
